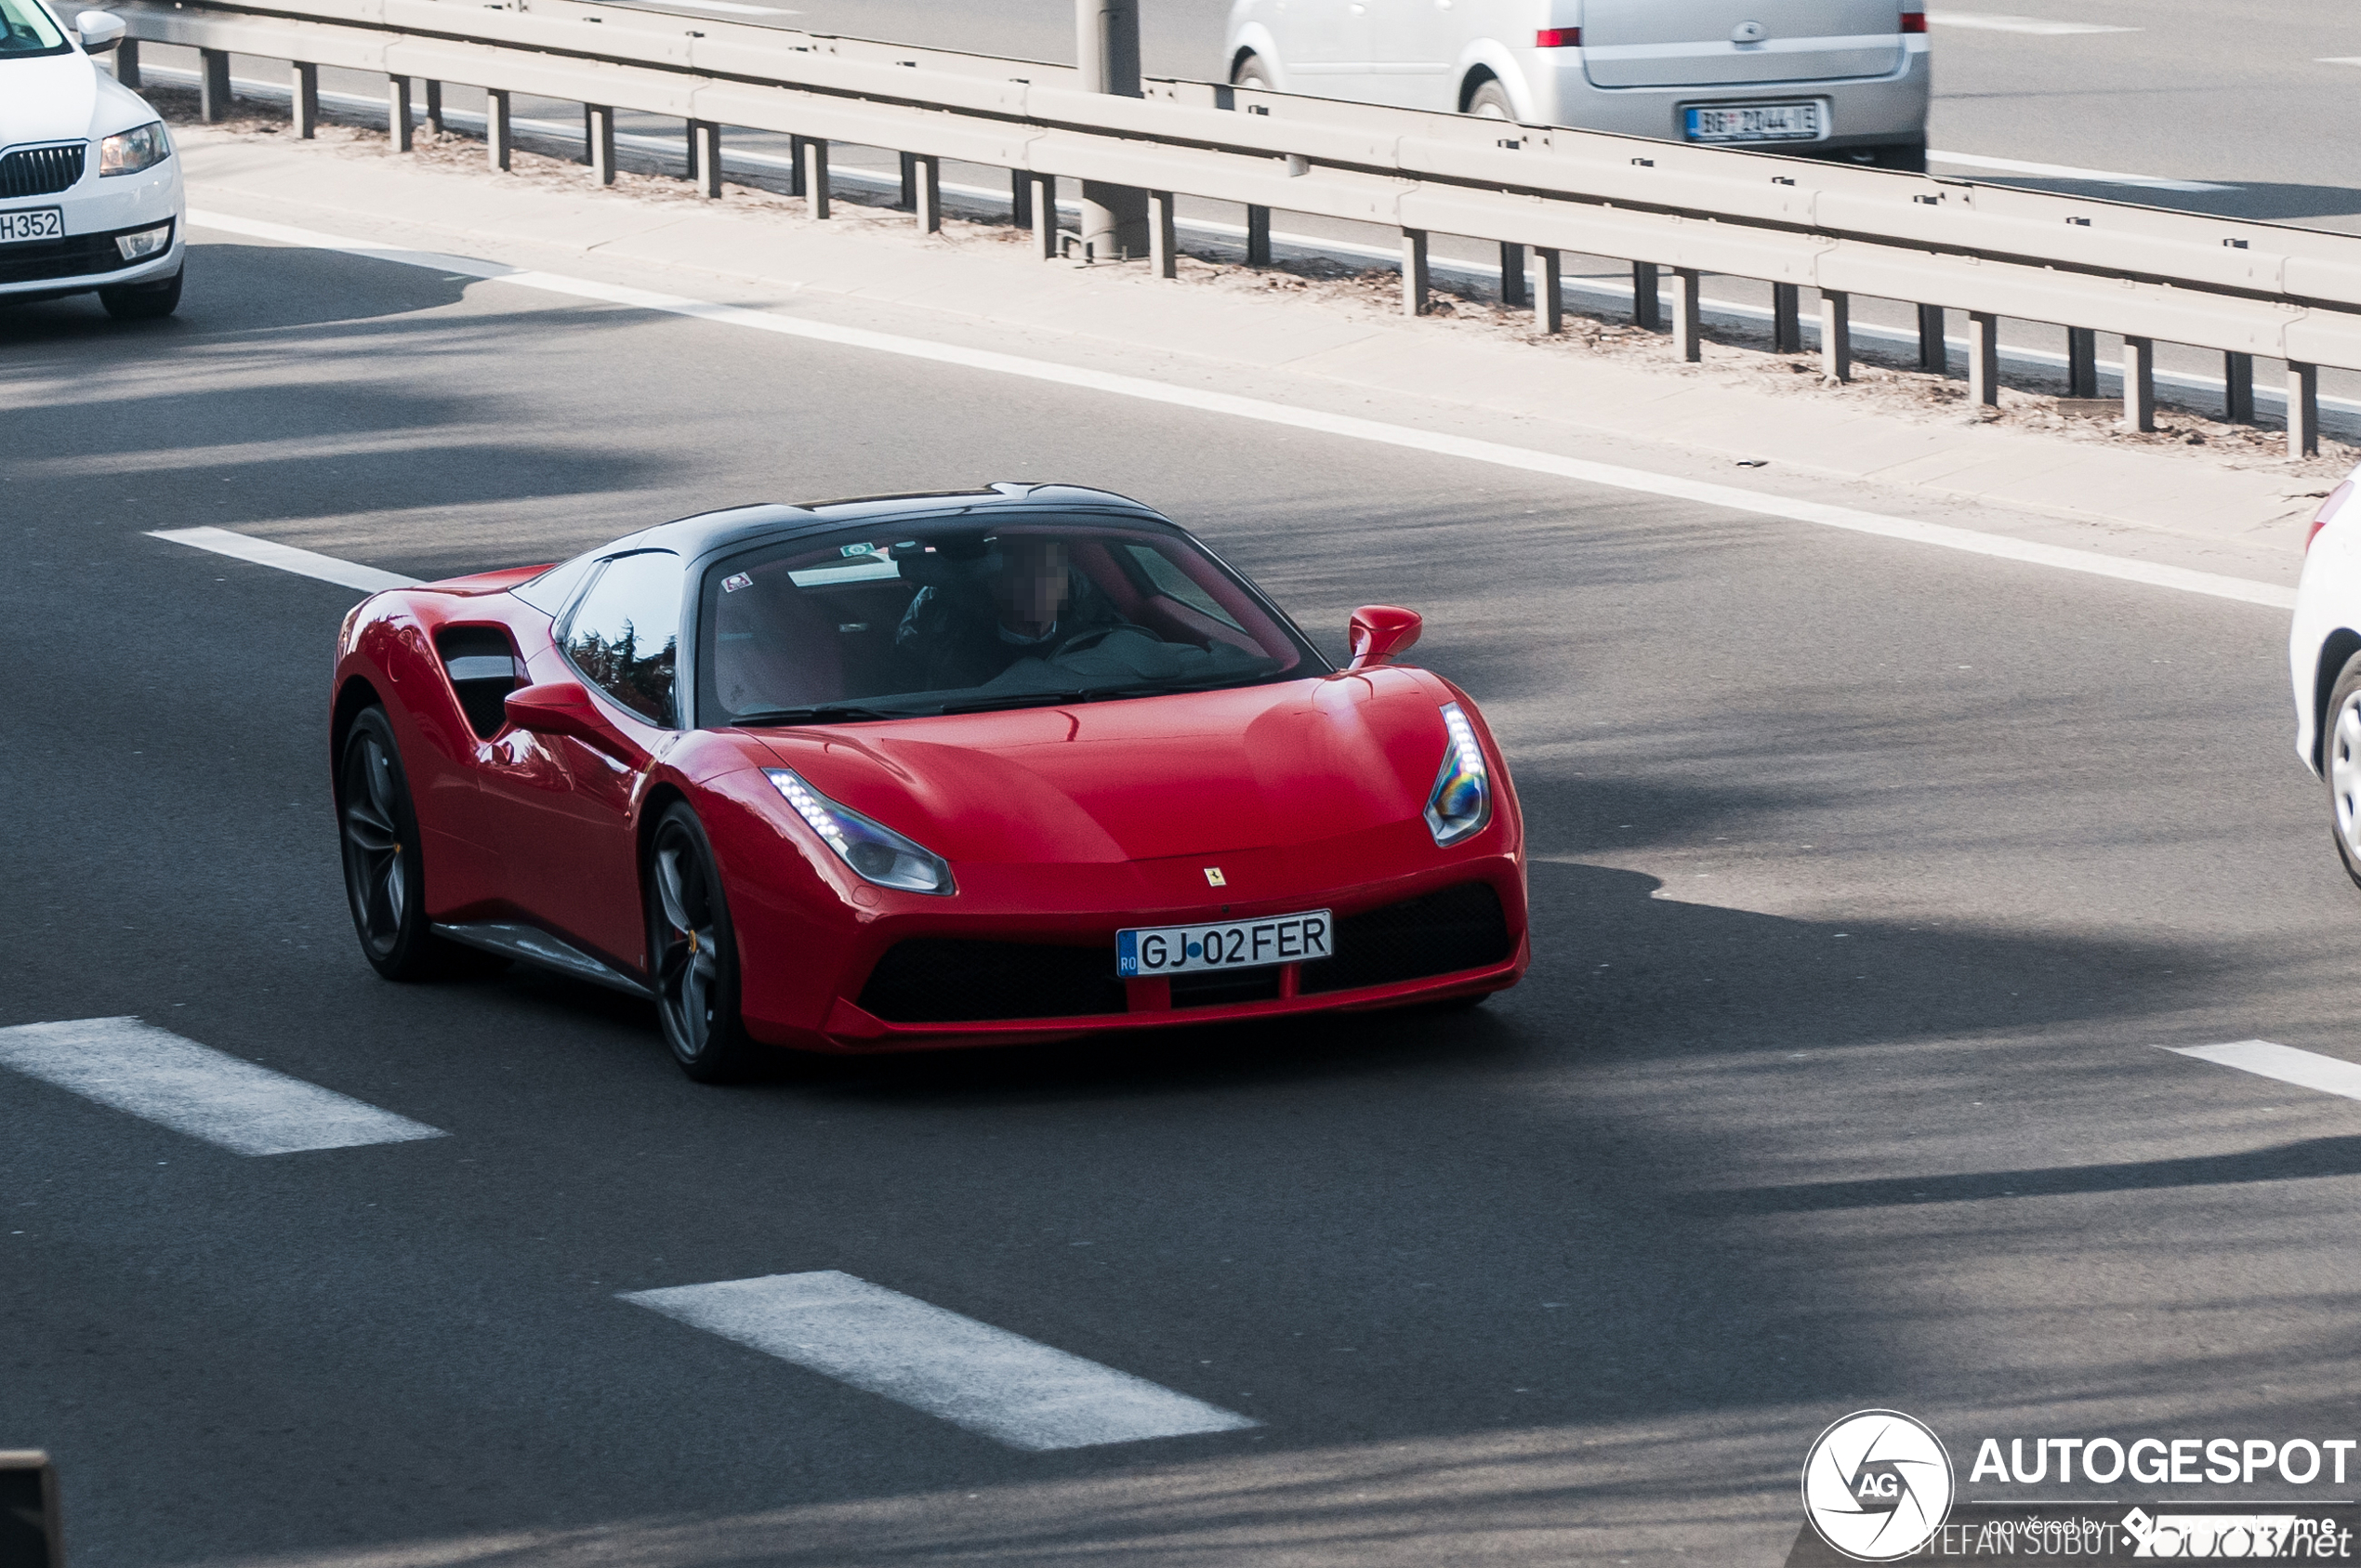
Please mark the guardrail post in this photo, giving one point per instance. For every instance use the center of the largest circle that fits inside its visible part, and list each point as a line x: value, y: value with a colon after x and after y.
x: 1257, y: 236
x: 303, y: 96
x: 2303, y: 409
x: 1684, y: 314
x: 926, y: 187
x: 1787, y: 319
x: 1021, y: 198
x: 2237, y: 388
x: 126, y: 63
x: 598, y: 133
x: 1513, y: 280
x: 213, y: 84
x: 705, y: 156
x: 1115, y: 217
x: 1646, y: 310
x: 500, y: 135
x: 434, y: 107
x: 1548, y: 301
x: 1164, y: 238
x: 2139, y: 383
x: 1416, y: 279
x: 1934, y: 353
x: 1042, y: 206
x: 812, y: 167
x: 2082, y: 363
x: 398, y: 112
x: 1983, y: 358
x: 1836, y: 336
x: 908, y: 200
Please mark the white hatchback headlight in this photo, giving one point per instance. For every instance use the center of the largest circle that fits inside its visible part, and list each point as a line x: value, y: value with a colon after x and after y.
x: 131, y: 151
x: 873, y: 849
x: 1460, y: 802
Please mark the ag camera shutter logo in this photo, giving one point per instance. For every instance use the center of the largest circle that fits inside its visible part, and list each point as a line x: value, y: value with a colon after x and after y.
x: 1876, y: 1485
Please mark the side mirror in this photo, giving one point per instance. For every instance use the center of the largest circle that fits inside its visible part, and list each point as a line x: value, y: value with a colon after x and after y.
x: 101, y: 31
x: 562, y: 708
x: 1380, y: 634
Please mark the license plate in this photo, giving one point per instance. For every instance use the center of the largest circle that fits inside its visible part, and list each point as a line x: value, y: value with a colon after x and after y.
x: 1756, y: 122
x: 1224, y: 944
x: 32, y: 223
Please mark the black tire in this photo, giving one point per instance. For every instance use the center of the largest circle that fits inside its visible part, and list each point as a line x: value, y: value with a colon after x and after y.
x: 1490, y: 101
x: 2341, y: 765
x: 692, y: 953
x: 142, y: 302
x: 384, y: 870
x: 1250, y: 72
x: 1908, y: 156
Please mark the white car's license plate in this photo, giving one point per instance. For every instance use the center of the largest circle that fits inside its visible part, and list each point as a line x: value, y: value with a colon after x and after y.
x: 1224, y: 944
x: 1756, y: 122
x: 32, y: 223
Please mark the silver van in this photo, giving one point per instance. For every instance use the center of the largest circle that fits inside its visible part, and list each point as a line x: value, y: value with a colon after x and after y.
x: 1821, y: 78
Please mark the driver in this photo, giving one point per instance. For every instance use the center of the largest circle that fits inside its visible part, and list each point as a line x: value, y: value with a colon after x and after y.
x: 1030, y: 605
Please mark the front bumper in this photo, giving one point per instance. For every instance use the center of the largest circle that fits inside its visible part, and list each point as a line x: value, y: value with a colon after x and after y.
x: 95, y: 210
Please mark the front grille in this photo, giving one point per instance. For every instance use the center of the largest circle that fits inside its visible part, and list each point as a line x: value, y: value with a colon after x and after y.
x: 947, y: 980
x: 39, y: 171
x: 77, y: 256
x: 1460, y: 927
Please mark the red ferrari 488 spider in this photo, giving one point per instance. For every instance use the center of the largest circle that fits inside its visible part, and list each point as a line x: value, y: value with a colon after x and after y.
x: 1016, y: 765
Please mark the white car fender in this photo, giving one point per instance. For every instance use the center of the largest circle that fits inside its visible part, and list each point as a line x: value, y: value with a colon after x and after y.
x: 1251, y: 37
x: 2328, y: 610
x: 1491, y: 55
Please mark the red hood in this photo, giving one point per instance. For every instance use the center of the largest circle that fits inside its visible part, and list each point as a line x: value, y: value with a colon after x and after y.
x: 1141, y: 779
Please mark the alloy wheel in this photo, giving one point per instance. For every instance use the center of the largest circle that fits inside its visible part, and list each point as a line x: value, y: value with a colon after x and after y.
x: 375, y: 874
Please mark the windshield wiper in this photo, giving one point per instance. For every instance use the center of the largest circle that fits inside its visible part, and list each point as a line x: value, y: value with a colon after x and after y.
x: 1093, y: 693
x: 1017, y: 699
x: 819, y: 713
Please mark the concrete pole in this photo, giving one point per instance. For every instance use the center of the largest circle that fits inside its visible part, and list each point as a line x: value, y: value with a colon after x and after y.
x: 1934, y: 353
x: 1983, y: 358
x: 397, y: 120
x: 1115, y: 217
x: 1836, y: 336
x: 213, y: 84
x: 1787, y: 319
x: 2304, y: 409
x: 1549, y: 302
x: 304, y: 98
x: 126, y: 63
x: 499, y: 139
x: 2139, y: 383
x: 1685, y: 344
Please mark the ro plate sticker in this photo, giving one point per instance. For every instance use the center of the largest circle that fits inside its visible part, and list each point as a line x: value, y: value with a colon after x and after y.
x: 735, y: 581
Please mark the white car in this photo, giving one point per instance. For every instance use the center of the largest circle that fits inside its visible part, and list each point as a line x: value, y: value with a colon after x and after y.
x: 89, y: 190
x: 1841, y: 79
x: 2324, y: 663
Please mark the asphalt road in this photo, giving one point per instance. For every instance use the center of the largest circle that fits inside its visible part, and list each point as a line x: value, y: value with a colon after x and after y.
x: 1868, y: 879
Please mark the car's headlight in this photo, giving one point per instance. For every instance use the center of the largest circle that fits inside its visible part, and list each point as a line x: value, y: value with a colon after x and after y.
x: 134, y: 149
x: 1460, y: 802
x: 873, y: 849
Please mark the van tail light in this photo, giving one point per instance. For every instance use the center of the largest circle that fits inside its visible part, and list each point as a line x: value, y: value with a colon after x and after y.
x: 1914, y: 22
x: 1558, y: 38
x: 2327, y: 513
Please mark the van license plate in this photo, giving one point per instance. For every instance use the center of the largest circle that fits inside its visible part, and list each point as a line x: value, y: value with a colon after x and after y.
x: 32, y: 223
x: 1756, y: 122
x: 1224, y: 944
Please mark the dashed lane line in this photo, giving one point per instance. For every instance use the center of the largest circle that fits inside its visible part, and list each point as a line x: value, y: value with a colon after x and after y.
x: 992, y: 1382
x: 155, y: 1074
x: 2307, y: 1069
x: 2069, y: 171
x: 286, y: 557
x: 1609, y: 475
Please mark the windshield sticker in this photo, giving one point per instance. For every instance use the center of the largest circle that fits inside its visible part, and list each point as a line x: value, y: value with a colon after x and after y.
x: 735, y: 581
x: 852, y: 551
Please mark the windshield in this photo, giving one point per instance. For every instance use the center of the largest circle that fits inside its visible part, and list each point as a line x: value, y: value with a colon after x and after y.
x: 959, y: 619
x: 27, y: 29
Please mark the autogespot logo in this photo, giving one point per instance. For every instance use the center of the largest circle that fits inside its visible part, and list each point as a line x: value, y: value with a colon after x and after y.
x: 1876, y: 1485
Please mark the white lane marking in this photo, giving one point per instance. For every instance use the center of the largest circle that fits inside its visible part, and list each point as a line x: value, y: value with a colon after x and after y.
x: 2068, y: 171
x: 2336, y: 59
x: 727, y: 6
x: 2000, y: 21
x: 1999, y: 546
x: 156, y: 1075
x: 2308, y: 1069
x: 988, y: 1380
x: 286, y: 557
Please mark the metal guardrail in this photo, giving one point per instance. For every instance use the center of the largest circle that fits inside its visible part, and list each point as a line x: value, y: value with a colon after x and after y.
x: 2246, y: 289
